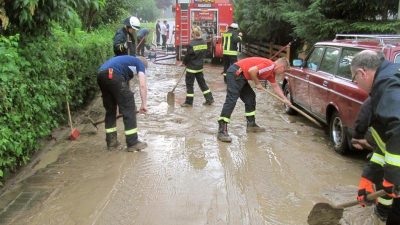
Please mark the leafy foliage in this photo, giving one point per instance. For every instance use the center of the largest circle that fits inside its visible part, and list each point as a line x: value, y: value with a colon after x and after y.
x: 314, y: 20
x: 36, y: 79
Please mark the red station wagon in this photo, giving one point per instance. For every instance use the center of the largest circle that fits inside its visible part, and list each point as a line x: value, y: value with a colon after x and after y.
x: 321, y: 84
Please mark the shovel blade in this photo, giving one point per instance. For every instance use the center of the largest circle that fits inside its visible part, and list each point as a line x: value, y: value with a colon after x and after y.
x: 74, y: 134
x: 171, y: 98
x: 324, y: 214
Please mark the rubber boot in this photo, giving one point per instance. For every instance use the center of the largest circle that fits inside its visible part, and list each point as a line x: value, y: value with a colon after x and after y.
x: 112, y: 141
x: 137, y: 146
x: 252, y: 127
x: 223, y: 132
x: 209, y: 99
x: 188, y: 102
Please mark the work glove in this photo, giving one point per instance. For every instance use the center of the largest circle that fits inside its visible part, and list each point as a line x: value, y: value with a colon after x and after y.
x: 391, y: 189
x: 126, y: 45
x: 365, y: 187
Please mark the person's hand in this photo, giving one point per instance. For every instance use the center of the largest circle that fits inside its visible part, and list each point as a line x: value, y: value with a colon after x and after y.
x: 361, y: 144
x: 126, y: 45
x: 143, y: 109
x: 391, y: 189
x: 287, y: 102
x: 260, y: 87
x: 365, y: 187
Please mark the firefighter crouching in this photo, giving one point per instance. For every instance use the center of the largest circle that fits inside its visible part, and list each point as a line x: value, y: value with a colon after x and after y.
x: 237, y: 76
x: 381, y: 79
x: 113, y: 79
x: 124, y: 38
x: 194, y: 60
x: 230, y: 40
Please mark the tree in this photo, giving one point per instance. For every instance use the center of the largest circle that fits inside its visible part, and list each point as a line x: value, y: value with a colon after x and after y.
x: 34, y: 16
x: 314, y: 20
x: 162, y: 4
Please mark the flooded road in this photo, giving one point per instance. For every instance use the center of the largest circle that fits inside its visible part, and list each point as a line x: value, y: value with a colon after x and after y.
x: 186, y: 176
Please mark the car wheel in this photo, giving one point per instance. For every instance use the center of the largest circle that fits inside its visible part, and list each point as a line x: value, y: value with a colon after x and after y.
x: 288, y: 109
x: 338, y: 134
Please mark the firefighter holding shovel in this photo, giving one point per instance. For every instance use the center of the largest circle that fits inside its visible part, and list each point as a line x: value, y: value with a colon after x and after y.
x: 381, y: 79
x: 113, y: 78
x: 194, y: 60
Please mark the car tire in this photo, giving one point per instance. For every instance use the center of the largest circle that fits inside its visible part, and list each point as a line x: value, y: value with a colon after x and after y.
x: 338, y: 134
x: 288, y: 109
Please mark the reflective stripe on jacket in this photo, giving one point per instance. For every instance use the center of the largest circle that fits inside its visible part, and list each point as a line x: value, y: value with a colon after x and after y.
x: 194, y: 58
x: 230, y: 40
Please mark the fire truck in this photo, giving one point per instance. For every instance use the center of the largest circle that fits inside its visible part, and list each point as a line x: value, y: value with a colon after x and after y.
x: 212, y: 16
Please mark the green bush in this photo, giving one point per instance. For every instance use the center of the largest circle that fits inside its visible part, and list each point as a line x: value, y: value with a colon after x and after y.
x: 36, y: 77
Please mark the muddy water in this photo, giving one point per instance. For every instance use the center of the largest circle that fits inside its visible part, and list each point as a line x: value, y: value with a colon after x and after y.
x: 186, y: 176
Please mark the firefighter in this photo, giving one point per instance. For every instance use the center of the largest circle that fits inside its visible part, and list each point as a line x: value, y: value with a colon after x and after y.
x: 124, y: 38
x: 194, y: 60
x: 230, y: 40
x: 237, y: 76
x: 381, y: 79
x: 113, y: 79
x: 141, y: 39
x: 362, y: 139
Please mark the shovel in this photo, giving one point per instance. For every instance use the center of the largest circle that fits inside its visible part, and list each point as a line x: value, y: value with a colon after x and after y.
x: 74, y: 132
x: 327, y: 214
x: 171, y: 94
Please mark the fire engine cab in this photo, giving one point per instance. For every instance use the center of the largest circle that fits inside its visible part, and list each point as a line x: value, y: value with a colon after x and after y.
x: 212, y: 16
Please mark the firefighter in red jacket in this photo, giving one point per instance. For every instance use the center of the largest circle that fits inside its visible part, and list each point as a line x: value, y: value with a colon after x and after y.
x: 382, y: 80
x: 237, y: 76
x: 194, y: 60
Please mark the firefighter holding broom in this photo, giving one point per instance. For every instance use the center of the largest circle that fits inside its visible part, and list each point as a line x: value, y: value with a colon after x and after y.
x: 237, y: 76
x: 113, y: 78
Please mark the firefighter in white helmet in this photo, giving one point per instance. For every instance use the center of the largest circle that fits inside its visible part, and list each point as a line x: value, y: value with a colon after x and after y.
x: 230, y: 40
x: 125, y: 38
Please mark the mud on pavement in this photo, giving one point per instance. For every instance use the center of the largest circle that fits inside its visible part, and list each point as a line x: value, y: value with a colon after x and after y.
x: 185, y: 176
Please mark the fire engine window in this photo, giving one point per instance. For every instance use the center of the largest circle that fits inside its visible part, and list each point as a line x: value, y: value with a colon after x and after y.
x: 184, y: 6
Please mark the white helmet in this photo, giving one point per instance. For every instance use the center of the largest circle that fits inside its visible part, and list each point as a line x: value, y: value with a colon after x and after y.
x: 234, y: 26
x: 132, y: 22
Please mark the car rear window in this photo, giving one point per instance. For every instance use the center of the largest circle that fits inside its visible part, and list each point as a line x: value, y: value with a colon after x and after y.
x: 345, y: 61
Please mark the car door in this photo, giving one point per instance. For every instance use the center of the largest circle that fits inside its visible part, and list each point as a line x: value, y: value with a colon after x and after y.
x: 319, y: 82
x: 346, y: 94
x: 300, y: 91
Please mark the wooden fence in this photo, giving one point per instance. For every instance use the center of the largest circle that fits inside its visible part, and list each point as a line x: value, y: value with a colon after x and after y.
x: 267, y: 50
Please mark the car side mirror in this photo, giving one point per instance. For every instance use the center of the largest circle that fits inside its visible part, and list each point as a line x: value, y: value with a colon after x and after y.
x: 297, y: 62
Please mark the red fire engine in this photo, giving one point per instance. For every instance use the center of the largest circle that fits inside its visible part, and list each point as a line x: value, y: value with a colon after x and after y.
x: 213, y: 17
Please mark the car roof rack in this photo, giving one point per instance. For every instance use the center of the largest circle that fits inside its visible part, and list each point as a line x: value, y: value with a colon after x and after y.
x: 379, y: 37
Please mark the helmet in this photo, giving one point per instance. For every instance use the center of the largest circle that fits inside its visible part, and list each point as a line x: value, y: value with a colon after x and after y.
x: 132, y: 22
x: 234, y: 26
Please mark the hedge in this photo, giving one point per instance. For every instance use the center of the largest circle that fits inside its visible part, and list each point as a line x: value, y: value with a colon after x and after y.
x: 36, y: 77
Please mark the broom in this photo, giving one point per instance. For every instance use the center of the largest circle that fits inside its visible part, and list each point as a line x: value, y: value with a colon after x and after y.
x: 74, y: 132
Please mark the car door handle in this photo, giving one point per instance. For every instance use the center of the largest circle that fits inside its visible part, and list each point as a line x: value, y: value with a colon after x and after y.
x: 325, y: 83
